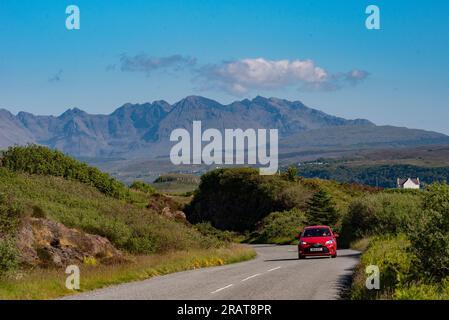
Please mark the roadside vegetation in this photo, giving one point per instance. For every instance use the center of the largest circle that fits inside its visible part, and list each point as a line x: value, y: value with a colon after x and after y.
x: 39, y: 185
x: 279, y: 227
x: 409, y: 235
x: 269, y: 209
x: 50, y: 283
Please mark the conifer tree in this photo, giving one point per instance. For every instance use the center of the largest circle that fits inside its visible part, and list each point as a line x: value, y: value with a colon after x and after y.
x: 321, y: 209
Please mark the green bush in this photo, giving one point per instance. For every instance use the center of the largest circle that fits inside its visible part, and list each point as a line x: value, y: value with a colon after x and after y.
x: 41, y: 160
x: 430, y: 234
x: 379, y: 214
x: 237, y: 199
x: 8, y: 257
x: 290, y: 174
x: 279, y: 227
x: 10, y: 213
x: 143, y: 187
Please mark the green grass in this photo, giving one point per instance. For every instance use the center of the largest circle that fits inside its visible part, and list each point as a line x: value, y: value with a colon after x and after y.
x: 50, y: 284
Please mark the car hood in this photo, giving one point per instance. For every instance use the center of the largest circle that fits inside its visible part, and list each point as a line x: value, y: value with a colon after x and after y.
x: 315, y: 239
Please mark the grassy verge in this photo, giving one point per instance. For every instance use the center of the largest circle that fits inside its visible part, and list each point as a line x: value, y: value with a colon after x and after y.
x: 390, y: 254
x: 50, y: 284
x: 397, y: 281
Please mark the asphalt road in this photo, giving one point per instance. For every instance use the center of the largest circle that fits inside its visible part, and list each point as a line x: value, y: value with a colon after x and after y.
x: 276, y: 273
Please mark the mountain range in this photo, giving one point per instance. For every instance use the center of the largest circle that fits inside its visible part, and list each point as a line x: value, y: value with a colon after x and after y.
x: 143, y: 130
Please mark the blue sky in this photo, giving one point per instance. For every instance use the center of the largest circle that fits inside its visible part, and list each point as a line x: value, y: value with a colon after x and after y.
x: 139, y: 51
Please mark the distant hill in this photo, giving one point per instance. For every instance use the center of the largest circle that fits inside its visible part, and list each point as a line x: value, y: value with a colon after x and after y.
x: 143, y: 130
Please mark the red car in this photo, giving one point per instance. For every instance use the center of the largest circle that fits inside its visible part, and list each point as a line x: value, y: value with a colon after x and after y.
x: 317, y: 241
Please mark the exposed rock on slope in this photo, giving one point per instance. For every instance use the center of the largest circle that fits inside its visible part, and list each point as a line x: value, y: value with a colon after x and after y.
x: 47, y: 243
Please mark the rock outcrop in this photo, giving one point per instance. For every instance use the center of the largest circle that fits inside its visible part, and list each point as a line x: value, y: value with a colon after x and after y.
x: 46, y: 243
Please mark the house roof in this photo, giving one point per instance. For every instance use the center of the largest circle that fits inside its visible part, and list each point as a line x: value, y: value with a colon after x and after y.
x: 402, y: 181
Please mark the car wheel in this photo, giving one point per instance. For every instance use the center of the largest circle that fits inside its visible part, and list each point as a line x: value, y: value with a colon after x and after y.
x: 300, y: 256
x: 334, y: 256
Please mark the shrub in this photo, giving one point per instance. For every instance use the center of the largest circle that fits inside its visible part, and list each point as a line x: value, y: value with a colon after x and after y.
x: 236, y: 199
x: 8, y: 257
x: 279, y: 227
x: 41, y: 160
x: 10, y: 213
x: 430, y: 235
x: 143, y: 187
x: 379, y: 214
x: 290, y: 174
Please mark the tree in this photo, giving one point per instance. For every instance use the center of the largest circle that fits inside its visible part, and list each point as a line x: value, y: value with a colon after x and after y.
x: 321, y: 209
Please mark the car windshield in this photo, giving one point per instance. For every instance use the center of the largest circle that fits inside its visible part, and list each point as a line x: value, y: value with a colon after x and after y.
x: 316, y: 232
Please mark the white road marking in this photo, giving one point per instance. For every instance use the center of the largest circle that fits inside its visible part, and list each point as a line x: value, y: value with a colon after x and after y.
x: 218, y: 290
x: 273, y: 269
x: 250, y: 277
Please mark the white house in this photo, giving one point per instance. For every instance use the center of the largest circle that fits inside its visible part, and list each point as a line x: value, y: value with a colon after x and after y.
x: 408, y: 183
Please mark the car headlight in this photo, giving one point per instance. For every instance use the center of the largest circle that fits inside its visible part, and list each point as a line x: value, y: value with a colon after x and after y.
x: 329, y: 241
x: 303, y: 243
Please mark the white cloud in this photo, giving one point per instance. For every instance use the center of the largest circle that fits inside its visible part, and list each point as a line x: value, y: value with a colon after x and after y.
x: 241, y: 76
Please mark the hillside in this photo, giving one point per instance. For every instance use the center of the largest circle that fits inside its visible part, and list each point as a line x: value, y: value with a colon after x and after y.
x: 62, y: 217
x: 129, y: 226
